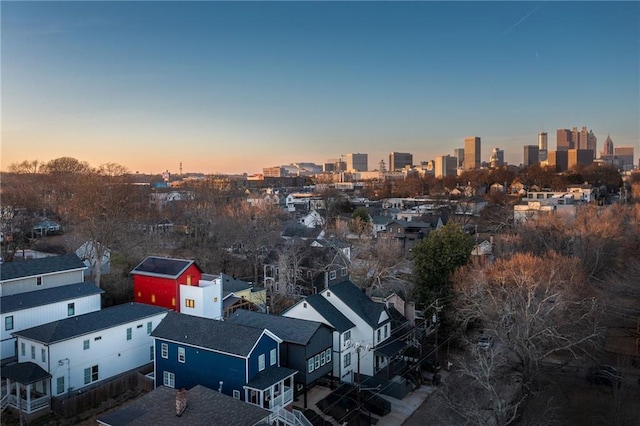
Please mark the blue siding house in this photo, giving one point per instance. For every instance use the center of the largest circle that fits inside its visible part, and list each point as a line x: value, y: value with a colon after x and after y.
x: 240, y: 361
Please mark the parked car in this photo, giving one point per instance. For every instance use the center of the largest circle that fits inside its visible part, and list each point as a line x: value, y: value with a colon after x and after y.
x: 605, y: 375
x: 485, y: 342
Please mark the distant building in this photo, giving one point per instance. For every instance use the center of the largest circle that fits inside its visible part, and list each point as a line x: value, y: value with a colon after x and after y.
x: 357, y: 162
x: 558, y: 160
x: 625, y: 154
x: 275, y: 171
x: 472, y: 147
x: 607, y: 149
x: 459, y: 154
x: 400, y: 160
x: 445, y: 166
x: 531, y: 155
x: 543, y: 146
x: 564, y: 140
x: 497, y: 158
x: 579, y: 157
x: 576, y: 139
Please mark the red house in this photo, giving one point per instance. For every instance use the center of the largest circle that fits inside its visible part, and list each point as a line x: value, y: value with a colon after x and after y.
x: 157, y: 280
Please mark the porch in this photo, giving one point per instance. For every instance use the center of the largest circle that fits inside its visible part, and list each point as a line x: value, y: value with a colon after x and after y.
x: 271, y: 389
x: 25, y: 387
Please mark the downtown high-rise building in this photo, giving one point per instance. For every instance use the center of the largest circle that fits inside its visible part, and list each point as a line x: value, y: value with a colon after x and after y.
x: 582, y: 139
x: 459, y: 154
x: 564, y: 140
x: 400, y: 160
x: 472, y: 147
x: 579, y: 157
x: 497, y: 158
x: 531, y: 155
x: 357, y: 162
x: 543, y: 146
x: 607, y: 148
x: 625, y: 154
x: 445, y: 165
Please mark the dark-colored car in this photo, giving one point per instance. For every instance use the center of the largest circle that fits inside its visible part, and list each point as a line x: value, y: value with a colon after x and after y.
x: 605, y: 375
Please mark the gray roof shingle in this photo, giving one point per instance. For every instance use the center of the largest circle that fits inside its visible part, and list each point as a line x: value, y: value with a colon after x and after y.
x: 329, y: 312
x: 359, y: 302
x: 24, y: 373
x: 291, y: 330
x: 270, y: 376
x: 80, y: 325
x: 204, y: 407
x: 47, y: 296
x: 42, y: 266
x: 220, y: 336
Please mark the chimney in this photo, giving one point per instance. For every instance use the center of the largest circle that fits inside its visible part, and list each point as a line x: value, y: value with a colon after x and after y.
x: 181, y: 402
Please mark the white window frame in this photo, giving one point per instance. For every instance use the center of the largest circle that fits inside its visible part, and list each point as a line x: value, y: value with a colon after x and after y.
x: 236, y: 394
x: 71, y: 309
x: 261, y: 362
x: 332, y: 275
x: 182, y: 356
x: 151, y: 353
x: 43, y: 354
x: 347, y: 359
x: 323, y: 359
x: 169, y: 379
x: 310, y: 365
x: 149, y: 327
x: 346, y: 336
x: 164, y: 350
x: 8, y: 323
x: 86, y: 344
x: 60, y: 384
x: 129, y: 333
x: 328, y: 355
x: 273, y: 355
x: 317, y: 361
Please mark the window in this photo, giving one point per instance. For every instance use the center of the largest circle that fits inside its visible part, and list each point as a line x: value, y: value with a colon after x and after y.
x: 261, y: 362
x: 273, y: 356
x: 150, y: 353
x: 95, y: 339
x: 39, y: 281
x: 379, y: 334
x: 323, y: 360
x: 43, y: 355
x: 23, y: 349
x: 317, y: 361
x: 85, y: 345
x: 71, y: 309
x: 190, y: 303
x: 169, y: 379
x: 304, y: 304
x: 164, y: 350
x: 332, y: 275
x: 8, y: 322
x: 173, y: 301
x: 328, y: 355
x: 149, y: 327
x: 59, y: 385
x: 347, y: 336
x: 33, y: 352
x: 129, y: 333
x: 343, y: 272
x: 91, y: 374
x: 347, y: 360
x: 181, y: 355
x: 386, y: 331
x: 236, y: 394
x: 153, y: 298
x: 139, y: 326
x: 310, y: 368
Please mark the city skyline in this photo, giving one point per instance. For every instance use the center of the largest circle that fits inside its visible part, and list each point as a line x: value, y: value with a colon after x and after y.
x: 234, y: 87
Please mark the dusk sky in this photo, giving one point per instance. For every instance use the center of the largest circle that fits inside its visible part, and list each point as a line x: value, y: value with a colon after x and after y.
x: 231, y: 87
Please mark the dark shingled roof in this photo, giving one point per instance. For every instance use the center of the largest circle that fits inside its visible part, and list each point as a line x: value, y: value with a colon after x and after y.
x: 204, y: 407
x: 24, y: 372
x: 207, y: 333
x: 89, y: 323
x: 329, y: 312
x: 42, y: 266
x: 32, y: 299
x: 270, y: 376
x: 291, y: 330
x: 162, y: 267
x: 390, y: 348
x: 359, y: 302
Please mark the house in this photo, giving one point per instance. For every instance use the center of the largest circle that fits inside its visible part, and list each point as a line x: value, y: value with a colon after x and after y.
x: 157, y: 280
x: 313, y: 220
x: 306, y: 345
x: 409, y: 233
x: 196, y: 406
x: 46, y: 227
x: 79, y: 352
x: 359, y: 323
x: 237, y: 360
x: 89, y: 255
x: 250, y: 297
x: 36, y: 274
x: 30, y: 309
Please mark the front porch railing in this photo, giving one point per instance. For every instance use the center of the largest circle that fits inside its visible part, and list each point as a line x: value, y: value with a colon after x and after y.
x: 31, y: 407
x: 282, y: 400
x: 295, y: 418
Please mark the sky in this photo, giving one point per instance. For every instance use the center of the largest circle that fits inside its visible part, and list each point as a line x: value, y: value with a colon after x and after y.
x: 232, y: 87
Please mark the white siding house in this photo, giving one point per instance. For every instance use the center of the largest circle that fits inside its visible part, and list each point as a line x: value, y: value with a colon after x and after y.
x: 25, y: 310
x: 37, y: 274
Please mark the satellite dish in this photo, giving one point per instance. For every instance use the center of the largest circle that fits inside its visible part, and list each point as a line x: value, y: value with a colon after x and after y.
x: 348, y: 343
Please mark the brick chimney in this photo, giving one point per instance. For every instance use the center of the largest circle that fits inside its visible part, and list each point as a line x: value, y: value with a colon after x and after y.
x: 181, y: 402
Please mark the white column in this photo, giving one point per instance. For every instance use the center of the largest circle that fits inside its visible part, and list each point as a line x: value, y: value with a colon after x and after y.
x: 28, y: 398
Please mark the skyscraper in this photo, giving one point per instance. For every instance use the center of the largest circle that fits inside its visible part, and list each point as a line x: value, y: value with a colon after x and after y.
x: 558, y: 160
x: 446, y: 166
x: 459, y: 154
x: 543, y: 146
x: 625, y: 154
x: 579, y: 157
x: 497, y: 158
x: 357, y: 162
x: 607, y: 149
x: 472, y: 146
x: 399, y: 160
x: 531, y: 156
x: 564, y: 140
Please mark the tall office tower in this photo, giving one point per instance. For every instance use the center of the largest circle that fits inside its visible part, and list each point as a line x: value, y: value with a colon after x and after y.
x: 497, y: 158
x: 607, y: 149
x: 472, y: 146
x: 446, y: 165
x: 399, y: 160
x: 579, y: 157
x: 531, y: 155
x: 625, y: 154
x: 459, y: 154
x: 575, y: 138
x: 564, y: 140
x: 592, y: 142
x: 543, y: 146
x: 558, y: 160
x: 357, y: 162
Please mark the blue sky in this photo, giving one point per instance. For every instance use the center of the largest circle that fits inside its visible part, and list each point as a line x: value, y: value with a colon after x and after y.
x: 236, y: 86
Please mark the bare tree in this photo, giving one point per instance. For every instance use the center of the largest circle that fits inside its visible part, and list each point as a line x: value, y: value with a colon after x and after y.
x: 378, y: 263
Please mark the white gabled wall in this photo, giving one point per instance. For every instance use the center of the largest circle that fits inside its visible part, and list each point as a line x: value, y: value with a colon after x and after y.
x: 39, y: 315
x: 206, y: 297
x: 54, y: 279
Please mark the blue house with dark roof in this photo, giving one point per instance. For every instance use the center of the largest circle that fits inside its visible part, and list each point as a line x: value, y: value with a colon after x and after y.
x: 307, y: 346
x: 240, y: 361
